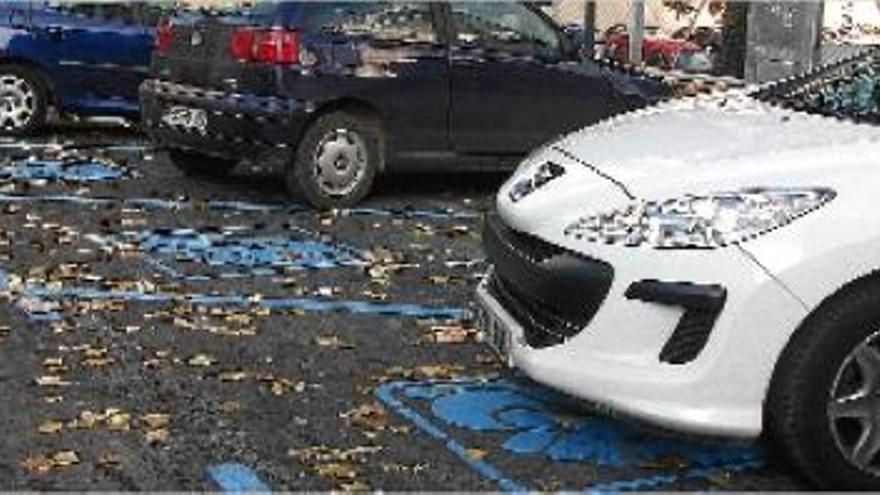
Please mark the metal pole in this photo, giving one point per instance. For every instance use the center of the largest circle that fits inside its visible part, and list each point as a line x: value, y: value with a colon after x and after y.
x: 590, y: 28
x: 636, y: 30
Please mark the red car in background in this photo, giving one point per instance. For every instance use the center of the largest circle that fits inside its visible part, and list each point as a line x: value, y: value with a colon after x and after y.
x: 675, y: 53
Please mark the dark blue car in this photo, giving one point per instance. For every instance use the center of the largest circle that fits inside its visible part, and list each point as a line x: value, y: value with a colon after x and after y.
x: 80, y: 57
x: 347, y: 90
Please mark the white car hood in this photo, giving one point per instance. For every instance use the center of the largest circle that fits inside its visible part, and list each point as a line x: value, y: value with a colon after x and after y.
x: 711, y: 135
x: 707, y: 144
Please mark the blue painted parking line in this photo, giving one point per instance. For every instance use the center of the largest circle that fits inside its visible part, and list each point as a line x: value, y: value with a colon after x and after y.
x: 237, y: 478
x: 67, y: 170
x: 515, y: 418
x: 387, y: 394
x: 47, y: 294
x: 243, y: 206
x: 240, y: 248
x: 199, y: 255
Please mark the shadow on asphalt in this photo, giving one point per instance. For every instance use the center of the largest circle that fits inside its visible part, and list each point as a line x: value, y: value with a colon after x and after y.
x: 410, y: 186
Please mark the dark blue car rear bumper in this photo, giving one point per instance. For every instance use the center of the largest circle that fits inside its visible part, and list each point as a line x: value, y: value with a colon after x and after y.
x: 238, y: 124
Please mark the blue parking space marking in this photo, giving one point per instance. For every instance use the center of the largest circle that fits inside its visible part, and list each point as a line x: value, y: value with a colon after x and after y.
x: 243, y: 206
x: 239, y: 248
x: 237, y: 478
x: 45, y: 299
x: 515, y: 418
x: 65, y: 170
x: 234, y: 252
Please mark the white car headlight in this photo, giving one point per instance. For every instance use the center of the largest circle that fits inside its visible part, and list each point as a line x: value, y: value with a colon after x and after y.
x: 542, y: 175
x: 701, y: 222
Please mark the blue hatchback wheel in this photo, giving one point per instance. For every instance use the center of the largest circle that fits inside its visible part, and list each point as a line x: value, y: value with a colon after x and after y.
x: 23, y: 100
x: 18, y: 102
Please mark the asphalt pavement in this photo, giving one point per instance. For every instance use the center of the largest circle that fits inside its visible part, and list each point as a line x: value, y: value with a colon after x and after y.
x: 162, y: 332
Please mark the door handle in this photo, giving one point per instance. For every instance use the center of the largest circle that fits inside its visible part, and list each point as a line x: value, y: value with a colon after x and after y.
x: 58, y: 33
x: 55, y: 32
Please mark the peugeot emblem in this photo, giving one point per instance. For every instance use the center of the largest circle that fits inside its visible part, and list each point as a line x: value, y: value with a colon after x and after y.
x: 196, y: 39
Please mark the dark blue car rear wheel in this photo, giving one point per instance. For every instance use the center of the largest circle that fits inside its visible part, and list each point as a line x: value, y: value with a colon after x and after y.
x: 23, y: 101
x: 337, y: 160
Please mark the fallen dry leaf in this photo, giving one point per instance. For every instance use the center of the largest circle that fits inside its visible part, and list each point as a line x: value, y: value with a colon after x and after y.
x: 155, y: 421
x: 51, y: 381
x: 333, y: 342
x: 440, y: 370
x: 51, y: 426
x: 354, y: 486
x: 109, y: 459
x: 202, y: 360
x: 283, y: 386
x: 156, y: 436
x: 233, y: 376
x: 86, y: 420
x: 337, y: 470
x: 65, y: 458
x: 451, y: 334
x: 38, y: 464
x: 53, y: 362
x: 476, y: 454
x: 370, y: 416
x: 119, y: 421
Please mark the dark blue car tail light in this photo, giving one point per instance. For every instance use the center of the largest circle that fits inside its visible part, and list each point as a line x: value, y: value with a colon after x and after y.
x: 256, y: 45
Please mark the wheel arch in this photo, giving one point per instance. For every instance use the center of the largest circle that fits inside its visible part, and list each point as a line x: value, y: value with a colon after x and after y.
x: 866, y: 281
x: 37, y: 69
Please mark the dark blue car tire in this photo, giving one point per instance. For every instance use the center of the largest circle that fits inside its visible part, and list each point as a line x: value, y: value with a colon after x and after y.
x: 337, y: 160
x: 196, y: 164
x: 23, y: 100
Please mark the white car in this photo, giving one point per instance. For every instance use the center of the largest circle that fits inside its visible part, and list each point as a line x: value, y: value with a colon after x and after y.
x: 709, y: 264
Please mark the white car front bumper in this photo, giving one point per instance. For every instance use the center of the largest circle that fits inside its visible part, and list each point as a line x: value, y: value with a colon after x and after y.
x: 614, y: 361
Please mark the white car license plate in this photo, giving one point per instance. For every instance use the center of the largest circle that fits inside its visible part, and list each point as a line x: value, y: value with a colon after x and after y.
x: 495, y: 333
x: 188, y: 119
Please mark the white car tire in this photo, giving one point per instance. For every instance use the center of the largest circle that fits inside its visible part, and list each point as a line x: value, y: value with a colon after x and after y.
x: 823, y: 409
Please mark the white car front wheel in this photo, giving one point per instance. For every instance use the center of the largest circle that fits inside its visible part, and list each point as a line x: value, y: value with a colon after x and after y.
x: 824, y: 404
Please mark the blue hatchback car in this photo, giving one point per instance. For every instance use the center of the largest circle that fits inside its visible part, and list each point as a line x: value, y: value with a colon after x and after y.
x: 81, y: 57
x: 342, y: 89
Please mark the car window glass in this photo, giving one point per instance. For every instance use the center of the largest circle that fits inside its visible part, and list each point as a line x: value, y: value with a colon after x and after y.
x: 398, y: 21
x: 504, y: 26
x: 122, y: 12
x: 153, y: 12
x: 79, y: 9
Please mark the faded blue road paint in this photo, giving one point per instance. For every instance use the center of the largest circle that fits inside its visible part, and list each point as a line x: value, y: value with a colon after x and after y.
x: 244, y: 206
x: 537, y: 422
x: 237, y: 478
x: 67, y: 170
x: 242, y: 250
x: 387, y: 394
x: 45, y: 293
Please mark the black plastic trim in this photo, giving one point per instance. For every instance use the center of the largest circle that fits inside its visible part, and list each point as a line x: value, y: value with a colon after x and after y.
x: 702, y: 303
x: 551, y: 290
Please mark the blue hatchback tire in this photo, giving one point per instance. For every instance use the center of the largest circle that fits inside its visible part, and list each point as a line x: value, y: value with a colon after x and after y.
x: 337, y: 160
x: 23, y: 101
